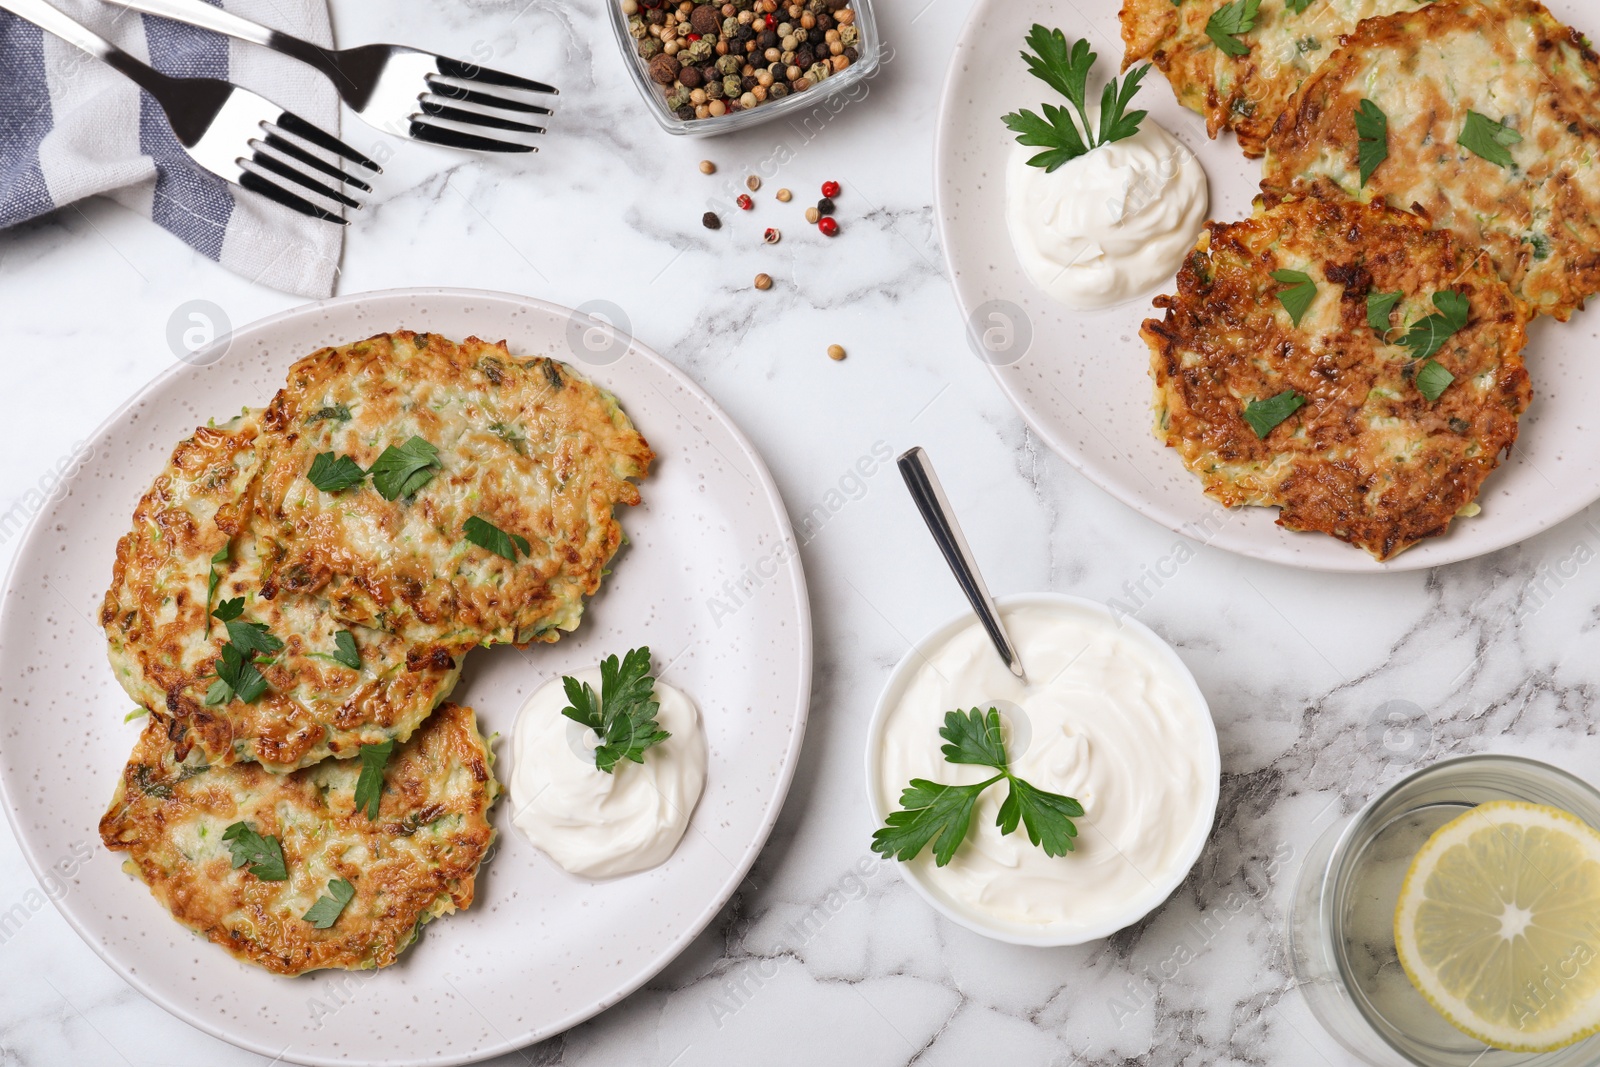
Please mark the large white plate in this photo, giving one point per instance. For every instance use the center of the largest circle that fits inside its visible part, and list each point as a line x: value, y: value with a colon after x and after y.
x: 1083, y: 383
x: 539, y: 950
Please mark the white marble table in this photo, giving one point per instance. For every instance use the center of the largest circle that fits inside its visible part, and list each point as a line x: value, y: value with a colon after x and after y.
x: 1296, y: 665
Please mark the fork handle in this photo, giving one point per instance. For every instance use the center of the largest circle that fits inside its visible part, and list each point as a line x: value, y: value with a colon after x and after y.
x: 201, y: 14
x: 52, y: 20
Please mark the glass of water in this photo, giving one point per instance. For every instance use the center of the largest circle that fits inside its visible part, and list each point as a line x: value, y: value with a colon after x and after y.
x: 1342, y: 924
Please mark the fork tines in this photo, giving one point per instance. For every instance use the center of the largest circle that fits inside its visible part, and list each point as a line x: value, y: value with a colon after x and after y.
x: 277, y: 155
x: 478, y: 114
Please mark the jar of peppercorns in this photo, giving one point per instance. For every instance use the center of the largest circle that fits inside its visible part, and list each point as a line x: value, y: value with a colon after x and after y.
x: 706, y: 67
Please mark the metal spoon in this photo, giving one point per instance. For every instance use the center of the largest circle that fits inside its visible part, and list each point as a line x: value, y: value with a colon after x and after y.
x: 929, y: 496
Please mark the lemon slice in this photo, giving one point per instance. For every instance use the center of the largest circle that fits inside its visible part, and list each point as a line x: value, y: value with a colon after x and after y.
x: 1499, y: 925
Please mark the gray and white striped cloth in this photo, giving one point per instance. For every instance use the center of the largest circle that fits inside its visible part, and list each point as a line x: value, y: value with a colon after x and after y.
x: 71, y: 127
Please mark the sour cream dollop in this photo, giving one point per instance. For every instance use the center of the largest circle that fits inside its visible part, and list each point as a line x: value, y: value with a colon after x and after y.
x: 1108, y: 716
x: 1110, y: 225
x: 600, y: 825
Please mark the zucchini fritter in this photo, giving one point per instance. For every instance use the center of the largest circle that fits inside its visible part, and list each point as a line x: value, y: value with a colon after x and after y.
x: 1368, y: 458
x: 416, y: 861
x: 525, y: 445
x: 165, y: 656
x: 1513, y: 63
x: 1243, y: 93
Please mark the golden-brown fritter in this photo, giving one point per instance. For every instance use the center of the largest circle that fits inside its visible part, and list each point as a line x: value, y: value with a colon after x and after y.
x: 524, y: 445
x: 416, y: 861
x: 197, y: 524
x: 1511, y: 62
x: 1244, y: 93
x: 1369, y: 458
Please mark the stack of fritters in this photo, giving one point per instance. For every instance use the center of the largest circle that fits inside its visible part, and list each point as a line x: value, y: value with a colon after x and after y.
x: 1478, y: 117
x: 354, y: 611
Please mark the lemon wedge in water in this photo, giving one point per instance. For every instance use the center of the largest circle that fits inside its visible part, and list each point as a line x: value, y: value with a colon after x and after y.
x: 1498, y: 925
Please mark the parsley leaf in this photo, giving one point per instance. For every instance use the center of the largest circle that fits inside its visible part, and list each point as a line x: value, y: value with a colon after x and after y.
x: 334, y: 474
x: 1263, y: 415
x: 941, y: 814
x: 1487, y: 138
x: 1046, y: 816
x: 929, y: 812
x: 1298, y: 6
x: 487, y: 535
x: 623, y: 716
x: 1229, y: 21
x: 236, y: 677
x: 345, y: 652
x: 1429, y: 335
x: 229, y: 610
x: 263, y: 854
x: 253, y: 637
x: 401, y: 470
x: 213, y: 581
x: 1433, y: 379
x: 1065, y: 68
x: 974, y: 738
x: 1372, y: 138
x: 369, y: 787
x: 326, y: 911
x: 1297, y: 298
x: 1379, y: 307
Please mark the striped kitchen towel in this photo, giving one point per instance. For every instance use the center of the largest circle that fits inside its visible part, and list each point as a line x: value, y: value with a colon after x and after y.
x: 72, y: 127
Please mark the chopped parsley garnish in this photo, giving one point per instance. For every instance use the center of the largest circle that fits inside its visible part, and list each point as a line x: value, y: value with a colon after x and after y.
x: 263, y: 854
x: 253, y: 637
x: 403, y: 469
x: 1372, y: 133
x: 623, y: 715
x: 229, y: 610
x: 335, y: 412
x: 1297, y: 298
x: 1231, y: 20
x: 333, y: 474
x: 1065, y: 68
x: 1487, y: 138
x: 212, y: 581
x: 1433, y: 380
x: 487, y: 535
x: 236, y: 677
x: 508, y: 433
x: 1379, y: 307
x: 1429, y: 335
x: 942, y: 814
x: 344, y: 651
x: 369, y: 787
x: 326, y: 911
x: 1263, y: 415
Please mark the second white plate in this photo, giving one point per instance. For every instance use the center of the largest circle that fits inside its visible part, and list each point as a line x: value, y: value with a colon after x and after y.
x: 1081, y: 380
x: 539, y: 950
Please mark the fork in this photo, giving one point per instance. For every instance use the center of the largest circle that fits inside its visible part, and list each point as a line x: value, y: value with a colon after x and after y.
x: 229, y: 131
x: 399, y: 90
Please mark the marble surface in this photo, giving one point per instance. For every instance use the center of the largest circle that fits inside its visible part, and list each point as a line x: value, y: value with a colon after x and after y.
x: 824, y: 955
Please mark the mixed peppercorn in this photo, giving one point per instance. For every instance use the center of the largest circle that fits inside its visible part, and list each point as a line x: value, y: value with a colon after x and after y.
x: 712, y: 59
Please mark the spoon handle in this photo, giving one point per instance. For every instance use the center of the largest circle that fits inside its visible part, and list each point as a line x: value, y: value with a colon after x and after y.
x: 929, y: 496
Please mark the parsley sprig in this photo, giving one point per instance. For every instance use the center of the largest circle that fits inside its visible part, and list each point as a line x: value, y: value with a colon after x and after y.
x: 1065, y: 68
x: 1488, y: 139
x: 326, y: 911
x: 1230, y: 22
x: 486, y: 535
x: 623, y: 715
x: 369, y: 787
x: 1372, y: 138
x: 942, y: 814
x: 263, y: 853
x: 248, y: 644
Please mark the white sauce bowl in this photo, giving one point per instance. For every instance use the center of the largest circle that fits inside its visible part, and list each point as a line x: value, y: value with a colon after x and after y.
x: 1137, y: 904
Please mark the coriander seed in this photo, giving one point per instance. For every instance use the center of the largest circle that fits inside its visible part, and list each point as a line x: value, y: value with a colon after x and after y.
x: 835, y: 352
x: 707, y: 167
x: 812, y: 214
x: 785, y: 196
x: 763, y: 282
x: 752, y: 183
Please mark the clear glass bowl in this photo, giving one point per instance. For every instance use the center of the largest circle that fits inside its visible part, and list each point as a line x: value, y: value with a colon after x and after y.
x: 823, y: 96
x: 1341, y: 930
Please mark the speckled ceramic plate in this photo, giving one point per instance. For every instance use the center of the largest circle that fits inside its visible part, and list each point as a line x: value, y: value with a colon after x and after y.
x: 1081, y: 380
x: 539, y: 950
